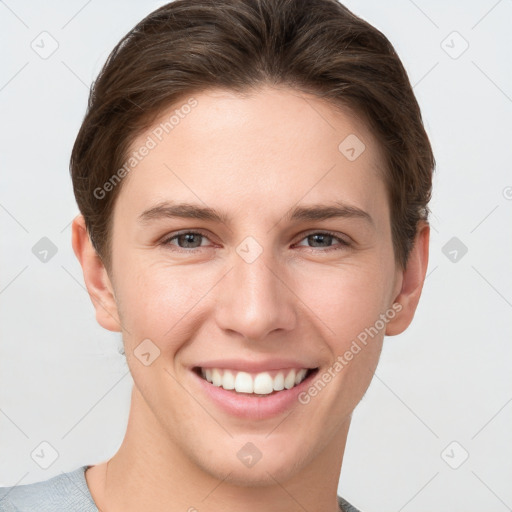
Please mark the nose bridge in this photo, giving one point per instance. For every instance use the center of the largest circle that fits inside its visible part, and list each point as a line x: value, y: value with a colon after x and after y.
x: 254, y: 300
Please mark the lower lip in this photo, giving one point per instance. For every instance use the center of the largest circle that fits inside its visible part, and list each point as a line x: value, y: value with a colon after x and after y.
x: 253, y: 407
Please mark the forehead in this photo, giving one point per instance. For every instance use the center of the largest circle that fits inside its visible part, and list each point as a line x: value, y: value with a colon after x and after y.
x: 268, y: 147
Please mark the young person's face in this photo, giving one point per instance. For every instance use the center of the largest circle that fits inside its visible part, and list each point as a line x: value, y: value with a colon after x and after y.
x: 255, y: 289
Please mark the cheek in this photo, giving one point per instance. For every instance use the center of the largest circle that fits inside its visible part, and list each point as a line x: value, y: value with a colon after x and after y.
x: 346, y: 298
x: 159, y: 299
x: 168, y: 302
x: 159, y: 303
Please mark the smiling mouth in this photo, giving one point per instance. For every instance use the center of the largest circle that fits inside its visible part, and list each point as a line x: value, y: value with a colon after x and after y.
x: 255, y: 384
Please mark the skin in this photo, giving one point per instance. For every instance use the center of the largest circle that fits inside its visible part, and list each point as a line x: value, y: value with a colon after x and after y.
x: 253, y: 157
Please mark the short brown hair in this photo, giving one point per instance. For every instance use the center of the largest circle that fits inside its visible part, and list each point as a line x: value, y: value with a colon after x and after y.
x: 314, y: 46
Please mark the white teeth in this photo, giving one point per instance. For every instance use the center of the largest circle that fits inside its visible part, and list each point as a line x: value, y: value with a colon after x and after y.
x: 300, y: 376
x: 243, y: 383
x: 289, y: 381
x: 216, y: 377
x: 228, y: 380
x: 279, y: 382
x: 261, y: 384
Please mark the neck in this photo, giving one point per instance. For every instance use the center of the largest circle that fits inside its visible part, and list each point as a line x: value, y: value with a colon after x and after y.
x: 151, y: 471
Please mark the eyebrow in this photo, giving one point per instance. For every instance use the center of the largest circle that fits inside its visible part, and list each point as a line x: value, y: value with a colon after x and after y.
x: 314, y: 212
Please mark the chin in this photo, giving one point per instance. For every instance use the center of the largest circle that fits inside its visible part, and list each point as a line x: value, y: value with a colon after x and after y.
x: 273, y: 465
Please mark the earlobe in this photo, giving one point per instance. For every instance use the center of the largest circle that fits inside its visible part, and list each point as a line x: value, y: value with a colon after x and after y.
x: 413, y: 278
x: 96, y: 278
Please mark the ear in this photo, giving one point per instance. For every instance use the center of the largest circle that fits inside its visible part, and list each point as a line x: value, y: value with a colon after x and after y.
x: 95, y: 276
x: 411, y: 281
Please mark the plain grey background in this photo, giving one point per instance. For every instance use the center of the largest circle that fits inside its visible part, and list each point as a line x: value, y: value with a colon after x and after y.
x: 433, y: 430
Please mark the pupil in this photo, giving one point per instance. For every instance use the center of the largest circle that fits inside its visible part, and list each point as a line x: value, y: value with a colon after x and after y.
x: 189, y: 238
x: 323, y: 238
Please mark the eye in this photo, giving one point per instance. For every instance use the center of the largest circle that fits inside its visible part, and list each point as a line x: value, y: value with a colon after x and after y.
x: 324, y: 240
x: 186, y: 240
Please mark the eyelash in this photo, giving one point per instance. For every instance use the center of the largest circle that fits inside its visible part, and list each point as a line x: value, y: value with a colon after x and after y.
x: 343, y: 244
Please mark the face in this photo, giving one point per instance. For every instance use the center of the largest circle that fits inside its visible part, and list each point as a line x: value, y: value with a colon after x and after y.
x: 280, y: 260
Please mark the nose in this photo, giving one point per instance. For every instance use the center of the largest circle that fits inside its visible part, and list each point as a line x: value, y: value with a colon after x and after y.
x: 255, y: 300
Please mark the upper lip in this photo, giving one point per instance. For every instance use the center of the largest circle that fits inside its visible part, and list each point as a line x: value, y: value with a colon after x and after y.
x: 254, y: 366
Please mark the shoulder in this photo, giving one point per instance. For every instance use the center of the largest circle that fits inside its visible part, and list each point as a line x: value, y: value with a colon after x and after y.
x: 65, y: 492
x: 345, y: 506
